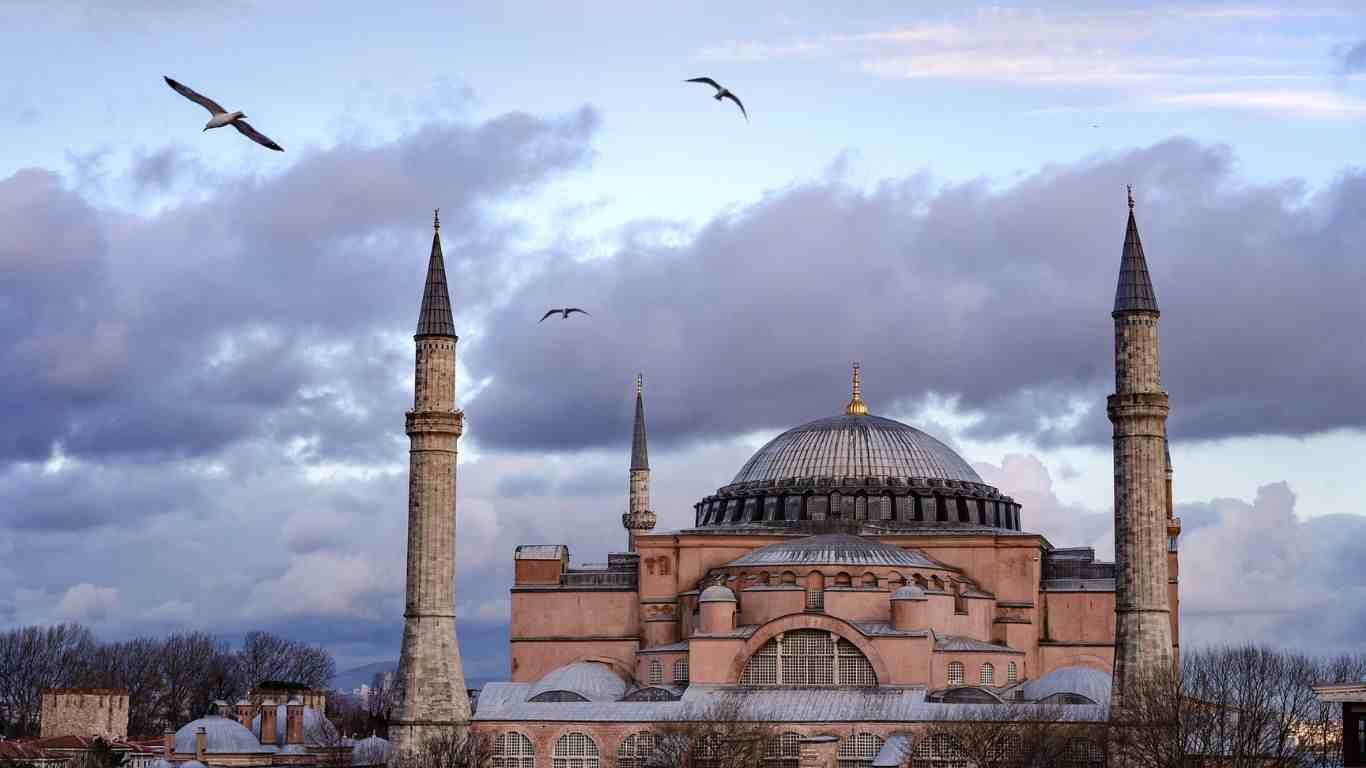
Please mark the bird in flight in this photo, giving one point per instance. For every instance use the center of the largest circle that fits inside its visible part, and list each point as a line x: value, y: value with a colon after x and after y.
x: 564, y: 313
x: 721, y: 93
x: 222, y: 117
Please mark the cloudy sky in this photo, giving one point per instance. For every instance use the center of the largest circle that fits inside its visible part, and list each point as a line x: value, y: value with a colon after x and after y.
x: 206, y: 348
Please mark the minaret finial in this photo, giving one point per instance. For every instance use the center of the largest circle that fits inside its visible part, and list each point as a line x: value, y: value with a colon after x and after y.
x: 856, y: 406
x: 1130, y: 187
x: 436, y: 219
x: 640, y: 383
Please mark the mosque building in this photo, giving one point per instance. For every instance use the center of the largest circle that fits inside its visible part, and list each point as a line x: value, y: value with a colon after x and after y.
x: 855, y: 580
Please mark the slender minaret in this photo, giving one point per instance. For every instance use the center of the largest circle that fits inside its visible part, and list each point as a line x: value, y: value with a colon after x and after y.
x: 1138, y: 410
x: 434, y: 702
x: 638, y: 516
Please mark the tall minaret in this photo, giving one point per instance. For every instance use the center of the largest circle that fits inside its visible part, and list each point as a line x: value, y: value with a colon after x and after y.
x: 1138, y: 410
x: 434, y: 700
x: 638, y: 516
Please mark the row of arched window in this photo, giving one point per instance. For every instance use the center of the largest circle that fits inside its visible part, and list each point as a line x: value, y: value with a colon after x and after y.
x: 844, y: 579
x: 655, y: 673
x: 885, y: 507
x: 986, y: 674
x: 578, y: 750
x: 938, y: 750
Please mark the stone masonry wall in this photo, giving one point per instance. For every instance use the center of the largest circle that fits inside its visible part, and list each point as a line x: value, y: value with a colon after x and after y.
x: 84, y: 712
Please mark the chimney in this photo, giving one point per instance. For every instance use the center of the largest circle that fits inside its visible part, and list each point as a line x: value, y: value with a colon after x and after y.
x: 268, y: 716
x: 294, y: 721
x: 201, y: 738
x: 244, y: 713
x: 167, y: 743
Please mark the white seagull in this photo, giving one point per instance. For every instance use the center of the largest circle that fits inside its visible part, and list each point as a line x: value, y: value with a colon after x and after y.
x: 222, y: 117
x: 721, y: 93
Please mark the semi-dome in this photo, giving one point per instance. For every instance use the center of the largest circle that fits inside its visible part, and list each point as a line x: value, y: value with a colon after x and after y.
x: 834, y: 549
x: 716, y: 593
x: 910, y: 592
x: 585, y: 680
x: 222, y: 736
x: 855, y: 470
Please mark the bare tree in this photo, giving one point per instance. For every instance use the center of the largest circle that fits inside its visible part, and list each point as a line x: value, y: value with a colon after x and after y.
x: 265, y: 656
x: 1008, y: 736
x: 192, y: 675
x: 718, y: 738
x: 385, y: 695
x: 451, y: 750
x: 33, y: 659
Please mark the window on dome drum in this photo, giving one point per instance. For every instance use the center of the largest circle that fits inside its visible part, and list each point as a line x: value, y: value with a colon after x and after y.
x: 955, y: 673
x: 656, y: 672
x: 987, y: 675
x: 811, y: 658
x: 1083, y: 753
x: 557, y: 696
x: 939, y: 750
x: 681, y: 672
x: 815, y: 599
x: 635, y: 750
x: 884, y: 508
x: 794, y: 507
x: 858, y: 751
x: 783, y: 750
x: 1012, y: 673
x: 513, y: 750
x: 860, y: 507
x: 843, y: 579
x: 575, y: 750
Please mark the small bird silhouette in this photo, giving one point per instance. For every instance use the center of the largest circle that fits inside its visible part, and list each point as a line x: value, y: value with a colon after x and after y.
x: 222, y: 117
x: 564, y: 313
x: 721, y: 93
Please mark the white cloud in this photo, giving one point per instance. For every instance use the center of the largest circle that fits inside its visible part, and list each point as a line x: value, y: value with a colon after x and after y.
x: 1313, y: 103
x: 88, y: 603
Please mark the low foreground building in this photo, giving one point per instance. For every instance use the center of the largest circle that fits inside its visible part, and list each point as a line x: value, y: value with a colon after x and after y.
x: 1352, y: 697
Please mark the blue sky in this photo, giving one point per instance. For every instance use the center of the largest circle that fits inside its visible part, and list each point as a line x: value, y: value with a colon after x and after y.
x: 944, y: 179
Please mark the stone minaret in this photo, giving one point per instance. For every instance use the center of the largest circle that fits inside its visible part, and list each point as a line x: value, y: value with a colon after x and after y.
x: 434, y: 700
x: 1138, y: 410
x: 638, y: 516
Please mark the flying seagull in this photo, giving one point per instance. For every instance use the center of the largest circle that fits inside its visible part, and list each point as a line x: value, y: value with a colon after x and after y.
x: 564, y: 313
x: 222, y: 117
x: 721, y: 93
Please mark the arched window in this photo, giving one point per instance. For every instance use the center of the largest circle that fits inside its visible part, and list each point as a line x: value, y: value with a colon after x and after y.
x: 1083, y: 753
x: 869, y: 580
x: 513, y: 750
x: 557, y: 696
x: 656, y: 675
x: 635, y: 750
x: 1012, y: 673
x: 681, y: 672
x: 808, y: 657
x: 575, y: 750
x: 783, y: 750
x: 858, y: 751
x: 955, y: 673
x: 896, y: 580
x: 937, y: 584
x: 939, y: 750
x: 843, y: 579
x: 987, y: 675
x: 706, y: 751
x: 789, y: 577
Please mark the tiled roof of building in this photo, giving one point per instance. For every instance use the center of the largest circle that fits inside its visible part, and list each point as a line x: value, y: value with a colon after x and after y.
x: 836, y: 549
x: 23, y: 751
x: 883, y: 629
x: 223, y: 736
x: 508, y: 702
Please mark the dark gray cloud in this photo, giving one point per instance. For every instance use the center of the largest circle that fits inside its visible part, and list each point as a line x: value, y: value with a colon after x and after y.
x: 220, y: 319
x: 1354, y: 60
x: 1000, y: 297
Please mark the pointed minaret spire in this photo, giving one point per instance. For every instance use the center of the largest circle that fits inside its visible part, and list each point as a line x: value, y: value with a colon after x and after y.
x: 640, y: 454
x: 1134, y: 293
x: 856, y: 406
x: 434, y: 319
x: 638, y: 518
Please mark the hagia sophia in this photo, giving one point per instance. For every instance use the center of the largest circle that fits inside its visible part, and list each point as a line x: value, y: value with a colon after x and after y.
x: 853, y: 581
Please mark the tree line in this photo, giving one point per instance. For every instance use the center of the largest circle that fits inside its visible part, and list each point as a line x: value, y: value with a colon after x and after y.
x: 170, y: 680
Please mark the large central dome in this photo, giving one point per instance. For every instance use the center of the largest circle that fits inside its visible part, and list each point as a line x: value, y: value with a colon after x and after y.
x: 854, y: 471
x: 855, y: 446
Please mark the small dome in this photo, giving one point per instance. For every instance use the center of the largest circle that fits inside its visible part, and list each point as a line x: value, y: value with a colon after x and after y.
x: 716, y: 593
x: 318, y: 730
x: 590, y: 680
x: 370, y: 751
x: 222, y: 736
x: 1091, y: 684
x: 909, y: 592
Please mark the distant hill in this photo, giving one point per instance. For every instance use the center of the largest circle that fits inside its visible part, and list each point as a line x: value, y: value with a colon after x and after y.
x: 355, y: 678
x: 352, y: 679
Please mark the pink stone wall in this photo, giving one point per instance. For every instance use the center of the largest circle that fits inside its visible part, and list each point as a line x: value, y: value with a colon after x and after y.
x: 560, y: 613
x: 531, y: 660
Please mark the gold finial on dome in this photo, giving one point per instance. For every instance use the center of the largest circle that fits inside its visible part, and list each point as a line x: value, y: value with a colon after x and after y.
x: 856, y: 406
